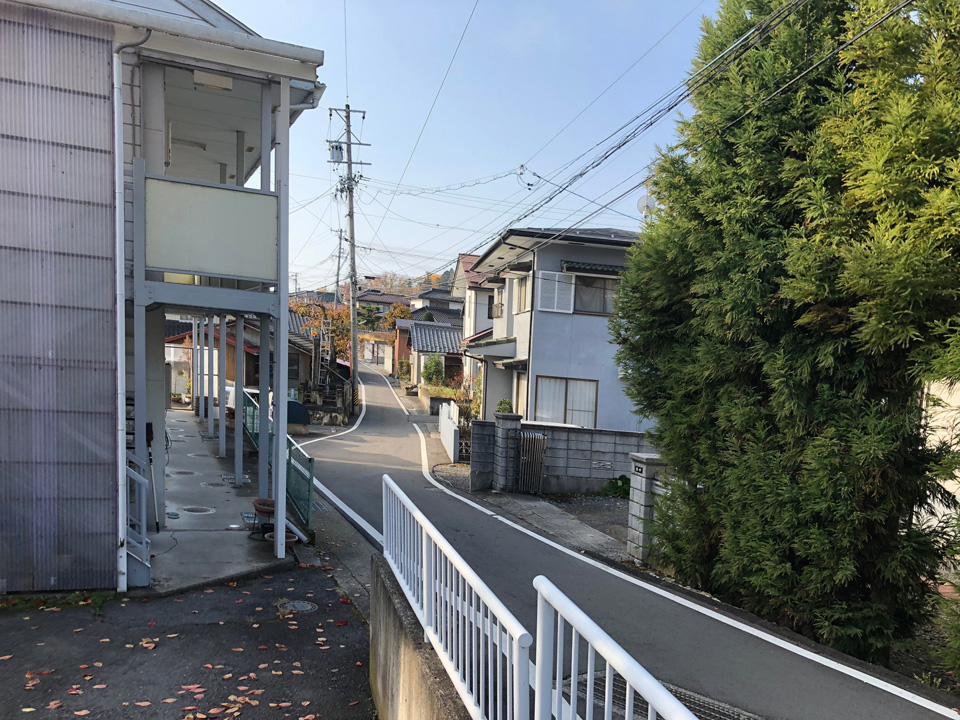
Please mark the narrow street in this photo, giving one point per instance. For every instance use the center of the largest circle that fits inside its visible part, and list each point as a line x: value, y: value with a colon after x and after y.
x: 710, y: 650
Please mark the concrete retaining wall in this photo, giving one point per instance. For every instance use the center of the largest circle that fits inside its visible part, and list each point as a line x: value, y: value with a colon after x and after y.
x: 482, y: 447
x: 406, y: 676
x: 450, y: 430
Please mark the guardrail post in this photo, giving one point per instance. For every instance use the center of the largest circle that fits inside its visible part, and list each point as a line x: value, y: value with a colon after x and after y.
x: 521, y: 680
x: 428, y: 583
x: 543, y: 685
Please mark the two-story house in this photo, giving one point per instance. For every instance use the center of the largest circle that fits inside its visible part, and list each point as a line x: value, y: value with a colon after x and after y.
x: 477, y: 298
x: 145, y: 172
x: 550, y: 349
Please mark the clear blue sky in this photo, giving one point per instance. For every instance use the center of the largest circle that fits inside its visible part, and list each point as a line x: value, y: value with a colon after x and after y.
x: 523, y: 71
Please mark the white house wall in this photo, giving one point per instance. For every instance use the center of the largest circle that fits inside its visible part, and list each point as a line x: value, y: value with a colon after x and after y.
x: 573, y: 345
x: 57, y: 307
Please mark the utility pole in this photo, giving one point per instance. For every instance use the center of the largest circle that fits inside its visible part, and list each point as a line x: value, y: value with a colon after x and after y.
x: 336, y: 289
x: 336, y: 154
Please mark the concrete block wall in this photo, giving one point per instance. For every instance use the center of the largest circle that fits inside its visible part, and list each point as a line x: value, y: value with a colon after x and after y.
x: 583, y: 460
x: 646, y: 476
x: 482, y: 450
x: 505, y: 451
x: 577, y: 460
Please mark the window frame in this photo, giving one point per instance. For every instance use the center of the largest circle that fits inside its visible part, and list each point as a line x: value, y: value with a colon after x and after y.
x: 577, y: 277
x: 566, y: 396
x: 522, y: 291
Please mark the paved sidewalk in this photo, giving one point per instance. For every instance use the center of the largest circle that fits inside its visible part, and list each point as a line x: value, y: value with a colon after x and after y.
x: 221, y: 651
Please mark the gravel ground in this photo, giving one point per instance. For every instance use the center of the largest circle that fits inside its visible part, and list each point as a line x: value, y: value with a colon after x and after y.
x: 606, y: 514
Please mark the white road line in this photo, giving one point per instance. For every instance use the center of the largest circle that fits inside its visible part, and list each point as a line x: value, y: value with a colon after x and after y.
x: 696, y: 607
x: 363, y: 411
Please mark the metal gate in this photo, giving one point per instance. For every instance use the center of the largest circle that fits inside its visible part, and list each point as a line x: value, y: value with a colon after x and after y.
x: 531, y: 447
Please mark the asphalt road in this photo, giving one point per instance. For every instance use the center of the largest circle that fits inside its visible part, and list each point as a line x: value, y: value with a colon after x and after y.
x: 712, y: 651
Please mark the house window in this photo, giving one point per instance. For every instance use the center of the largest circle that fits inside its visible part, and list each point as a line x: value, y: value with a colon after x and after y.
x: 594, y: 294
x: 521, y: 294
x: 489, y: 307
x: 293, y: 367
x: 566, y: 400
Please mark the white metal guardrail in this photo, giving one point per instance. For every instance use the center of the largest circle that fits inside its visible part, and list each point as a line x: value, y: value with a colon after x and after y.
x: 554, y: 612
x: 483, y: 647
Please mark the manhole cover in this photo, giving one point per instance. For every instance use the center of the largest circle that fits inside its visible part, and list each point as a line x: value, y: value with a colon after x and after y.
x: 200, y: 455
x: 213, y: 484
x: 178, y: 441
x: 183, y: 472
x: 197, y: 510
x: 297, y: 606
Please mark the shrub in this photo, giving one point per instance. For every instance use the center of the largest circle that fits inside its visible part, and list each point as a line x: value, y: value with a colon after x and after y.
x: 618, y: 487
x: 433, y: 370
x: 504, y: 405
x: 403, y: 368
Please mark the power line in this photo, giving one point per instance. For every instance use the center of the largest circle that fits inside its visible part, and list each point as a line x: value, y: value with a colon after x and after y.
x: 618, y: 79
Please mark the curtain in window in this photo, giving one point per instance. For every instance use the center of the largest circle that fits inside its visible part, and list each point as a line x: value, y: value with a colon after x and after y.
x: 582, y: 403
x: 551, y: 394
x: 588, y: 294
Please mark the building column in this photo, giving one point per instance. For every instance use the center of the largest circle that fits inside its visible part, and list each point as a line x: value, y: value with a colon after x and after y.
x: 222, y: 387
x: 211, y: 348
x: 280, y: 380
x: 238, y: 399
x: 193, y: 361
x: 201, y: 387
x: 263, y: 443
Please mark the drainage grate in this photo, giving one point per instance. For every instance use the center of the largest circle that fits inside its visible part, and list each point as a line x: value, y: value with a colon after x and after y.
x: 200, y: 455
x: 197, y: 510
x: 182, y: 472
x: 178, y: 441
x: 320, y: 506
x: 213, y: 484
x: 703, y: 707
x: 297, y: 606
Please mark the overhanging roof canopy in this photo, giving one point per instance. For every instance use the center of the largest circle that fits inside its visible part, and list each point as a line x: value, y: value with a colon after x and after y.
x: 516, y: 244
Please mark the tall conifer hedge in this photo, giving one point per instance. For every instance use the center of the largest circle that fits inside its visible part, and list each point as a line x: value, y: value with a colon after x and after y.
x: 783, y: 309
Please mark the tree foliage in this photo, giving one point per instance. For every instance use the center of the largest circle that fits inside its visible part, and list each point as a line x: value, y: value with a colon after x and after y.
x: 396, y: 311
x: 433, y: 370
x: 782, y: 307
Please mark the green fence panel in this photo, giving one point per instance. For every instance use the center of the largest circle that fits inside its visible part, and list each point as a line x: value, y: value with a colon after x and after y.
x: 300, y: 466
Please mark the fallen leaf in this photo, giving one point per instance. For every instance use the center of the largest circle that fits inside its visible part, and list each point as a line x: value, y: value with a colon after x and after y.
x: 101, y: 640
x: 168, y: 700
x: 54, y: 705
x: 342, y: 622
x: 6, y: 657
x: 355, y: 702
x: 151, y: 623
x: 99, y: 687
x: 81, y: 712
x: 208, y: 591
x: 28, y: 709
x: 143, y: 703
x: 98, y: 664
x: 238, y: 649
x: 345, y: 601
x: 173, y: 635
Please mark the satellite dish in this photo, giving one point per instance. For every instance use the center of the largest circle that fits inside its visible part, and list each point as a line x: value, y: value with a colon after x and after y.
x: 646, y: 205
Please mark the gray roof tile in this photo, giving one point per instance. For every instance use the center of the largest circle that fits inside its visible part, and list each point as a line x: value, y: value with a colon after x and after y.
x: 435, y: 338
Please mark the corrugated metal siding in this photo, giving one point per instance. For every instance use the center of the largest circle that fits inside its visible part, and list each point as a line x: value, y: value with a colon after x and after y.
x: 57, y: 353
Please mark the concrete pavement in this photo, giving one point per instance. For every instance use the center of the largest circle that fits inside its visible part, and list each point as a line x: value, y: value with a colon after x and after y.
x: 683, y: 639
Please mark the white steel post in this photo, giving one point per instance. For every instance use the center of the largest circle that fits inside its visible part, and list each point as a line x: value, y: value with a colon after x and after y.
x: 200, y: 389
x: 263, y: 443
x: 222, y: 384
x: 238, y: 398
x: 266, y: 134
x: 193, y: 362
x: 543, y: 687
x: 282, y: 183
x: 211, y: 347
